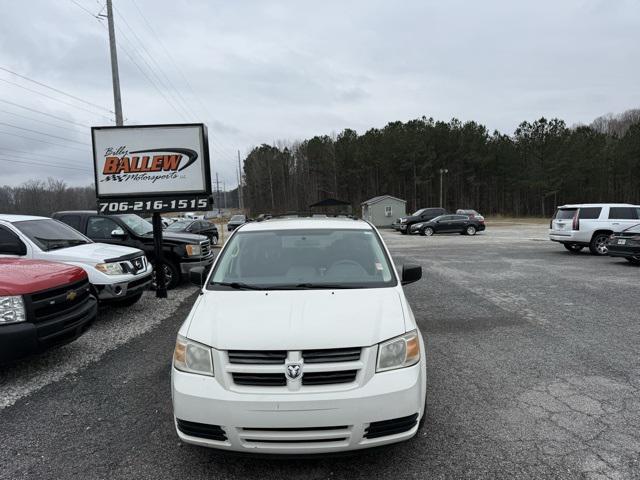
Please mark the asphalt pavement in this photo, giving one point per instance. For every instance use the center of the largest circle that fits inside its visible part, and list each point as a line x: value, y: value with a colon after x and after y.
x: 533, y: 372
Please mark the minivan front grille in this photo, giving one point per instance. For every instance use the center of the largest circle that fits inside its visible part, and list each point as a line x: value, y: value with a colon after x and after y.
x: 260, y: 379
x: 329, y: 378
x: 257, y: 357
x: 332, y: 355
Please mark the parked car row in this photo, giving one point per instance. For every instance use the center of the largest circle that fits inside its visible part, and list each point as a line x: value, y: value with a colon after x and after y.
x: 429, y: 221
x: 604, y: 228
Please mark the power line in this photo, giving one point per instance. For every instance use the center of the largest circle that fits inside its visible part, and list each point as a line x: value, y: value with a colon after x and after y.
x: 46, y: 165
x: 33, y: 119
x: 32, y: 154
x: 53, y: 98
x: 169, y: 86
x: 22, y: 157
x: 24, y: 77
x: 42, y: 133
x: 44, y: 113
x: 43, y: 141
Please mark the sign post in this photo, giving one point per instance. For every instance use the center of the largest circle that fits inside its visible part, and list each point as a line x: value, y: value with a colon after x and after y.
x: 152, y: 169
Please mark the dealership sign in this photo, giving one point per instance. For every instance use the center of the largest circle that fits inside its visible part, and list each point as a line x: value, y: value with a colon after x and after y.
x: 151, y: 168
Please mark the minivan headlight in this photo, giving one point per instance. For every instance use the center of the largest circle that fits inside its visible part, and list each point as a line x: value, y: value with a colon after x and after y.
x: 399, y: 352
x: 11, y: 310
x: 110, y: 268
x: 192, y: 357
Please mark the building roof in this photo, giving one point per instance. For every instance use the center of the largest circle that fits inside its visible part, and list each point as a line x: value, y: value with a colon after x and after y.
x: 304, y: 223
x: 329, y: 202
x: 380, y: 198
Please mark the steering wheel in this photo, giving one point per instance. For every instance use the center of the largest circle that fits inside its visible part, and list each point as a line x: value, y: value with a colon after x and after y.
x: 345, y: 262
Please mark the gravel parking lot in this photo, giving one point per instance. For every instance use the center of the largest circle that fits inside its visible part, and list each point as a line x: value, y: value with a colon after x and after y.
x: 533, y: 371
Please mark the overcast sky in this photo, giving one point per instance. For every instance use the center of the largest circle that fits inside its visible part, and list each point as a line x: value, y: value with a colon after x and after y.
x: 261, y: 71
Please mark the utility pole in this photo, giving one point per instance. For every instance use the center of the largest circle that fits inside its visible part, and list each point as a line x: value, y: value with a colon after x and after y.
x: 240, y: 199
x: 115, y: 76
x: 442, y: 172
x: 224, y: 193
x: 217, y: 192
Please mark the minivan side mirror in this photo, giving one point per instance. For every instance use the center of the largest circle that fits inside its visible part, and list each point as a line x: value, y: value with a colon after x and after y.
x: 197, y: 276
x: 411, y: 273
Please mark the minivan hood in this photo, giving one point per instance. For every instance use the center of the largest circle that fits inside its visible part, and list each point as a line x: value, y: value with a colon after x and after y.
x: 90, y: 253
x: 296, y: 319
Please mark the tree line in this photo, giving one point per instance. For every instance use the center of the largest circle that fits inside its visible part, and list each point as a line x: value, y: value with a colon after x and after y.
x: 38, y: 197
x: 543, y: 164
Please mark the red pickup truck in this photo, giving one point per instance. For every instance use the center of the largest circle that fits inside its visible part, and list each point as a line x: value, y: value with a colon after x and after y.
x: 42, y: 305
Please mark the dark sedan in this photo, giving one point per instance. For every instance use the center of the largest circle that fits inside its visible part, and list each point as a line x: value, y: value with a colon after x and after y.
x: 462, y: 224
x: 626, y: 244
x: 236, y: 221
x: 200, y: 227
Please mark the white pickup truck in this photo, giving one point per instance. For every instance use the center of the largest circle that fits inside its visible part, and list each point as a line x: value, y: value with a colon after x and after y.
x: 117, y: 274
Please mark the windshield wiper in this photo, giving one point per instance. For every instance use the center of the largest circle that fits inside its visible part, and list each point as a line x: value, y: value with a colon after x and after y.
x: 324, y: 286
x: 238, y: 285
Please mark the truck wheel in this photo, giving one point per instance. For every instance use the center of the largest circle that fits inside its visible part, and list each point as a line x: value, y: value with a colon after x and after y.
x: 634, y: 260
x: 573, y: 248
x: 171, y: 276
x: 127, y: 302
x: 404, y: 232
x: 598, y: 245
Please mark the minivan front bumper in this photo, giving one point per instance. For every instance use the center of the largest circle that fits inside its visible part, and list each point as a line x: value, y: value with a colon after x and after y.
x: 389, y: 404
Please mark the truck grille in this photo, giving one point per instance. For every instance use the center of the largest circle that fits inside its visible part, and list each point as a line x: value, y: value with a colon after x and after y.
x: 205, y: 248
x: 59, y: 301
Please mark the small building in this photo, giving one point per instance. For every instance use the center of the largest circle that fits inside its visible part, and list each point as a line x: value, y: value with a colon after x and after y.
x: 383, y: 210
x: 331, y: 206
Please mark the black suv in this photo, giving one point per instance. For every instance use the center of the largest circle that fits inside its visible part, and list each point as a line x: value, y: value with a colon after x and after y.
x: 422, y: 215
x: 182, y: 251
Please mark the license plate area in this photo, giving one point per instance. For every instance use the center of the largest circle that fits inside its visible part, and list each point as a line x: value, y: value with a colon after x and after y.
x: 622, y: 241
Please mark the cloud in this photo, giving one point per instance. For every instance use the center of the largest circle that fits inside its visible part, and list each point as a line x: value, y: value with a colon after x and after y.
x: 264, y: 70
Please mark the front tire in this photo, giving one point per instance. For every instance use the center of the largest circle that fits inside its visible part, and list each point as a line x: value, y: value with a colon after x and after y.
x: 573, y: 248
x: 471, y: 230
x: 171, y: 275
x: 429, y: 231
x: 634, y: 260
x: 598, y: 245
x: 404, y: 232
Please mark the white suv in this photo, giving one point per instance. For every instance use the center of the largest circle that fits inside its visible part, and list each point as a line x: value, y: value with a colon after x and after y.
x: 301, y: 341
x: 591, y: 224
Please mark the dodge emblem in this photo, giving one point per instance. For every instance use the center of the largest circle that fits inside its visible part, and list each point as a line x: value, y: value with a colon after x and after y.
x: 294, y: 370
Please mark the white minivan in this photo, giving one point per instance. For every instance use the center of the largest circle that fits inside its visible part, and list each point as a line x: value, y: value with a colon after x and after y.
x: 301, y: 341
x: 590, y: 224
x: 117, y: 274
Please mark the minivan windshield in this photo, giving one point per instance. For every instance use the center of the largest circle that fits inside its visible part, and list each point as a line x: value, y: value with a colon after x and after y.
x: 303, y: 259
x: 137, y: 224
x: 49, y: 234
